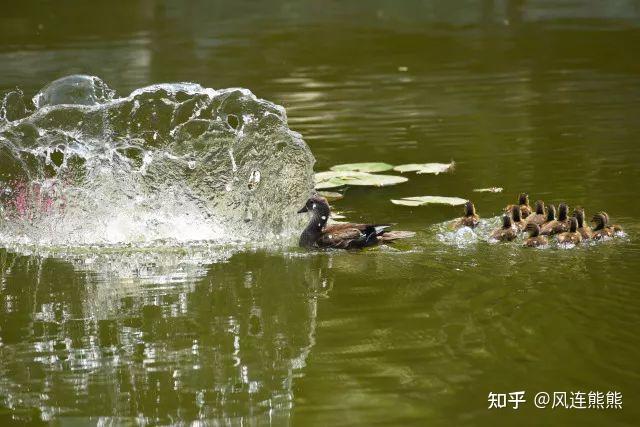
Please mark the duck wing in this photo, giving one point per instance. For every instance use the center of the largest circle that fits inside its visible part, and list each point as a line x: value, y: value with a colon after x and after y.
x: 348, y: 236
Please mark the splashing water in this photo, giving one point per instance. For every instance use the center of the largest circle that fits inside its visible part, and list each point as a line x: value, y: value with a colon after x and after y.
x: 168, y: 162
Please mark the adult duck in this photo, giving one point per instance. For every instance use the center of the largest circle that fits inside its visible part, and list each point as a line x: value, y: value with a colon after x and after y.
x: 318, y: 234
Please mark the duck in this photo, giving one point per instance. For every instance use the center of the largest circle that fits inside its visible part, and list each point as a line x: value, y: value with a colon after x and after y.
x: 603, y: 230
x: 507, y: 232
x: 559, y: 225
x: 517, y: 218
x: 470, y: 219
x: 523, y: 203
x: 318, y: 234
x: 584, y: 230
x: 535, y: 240
x: 571, y: 236
x: 616, y: 228
x: 538, y: 217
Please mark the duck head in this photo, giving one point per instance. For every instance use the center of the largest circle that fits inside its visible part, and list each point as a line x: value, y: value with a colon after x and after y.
x: 532, y: 229
x: 515, y: 214
x: 523, y: 199
x: 551, y: 213
x: 573, y: 225
x: 563, y: 211
x: 539, y: 207
x: 469, y: 209
x: 600, y: 220
x: 506, y: 222
x: 320, y: 209
x: 578, y: 214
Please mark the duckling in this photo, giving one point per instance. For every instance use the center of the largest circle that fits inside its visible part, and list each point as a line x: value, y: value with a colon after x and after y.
x: 507, y: 232
x: 584, y: 230
x: 559, y: 225
x: 318, y: 234
x: 470, y: 218
x: 571, y: 236
x: 538, y: 217
x: 535, y: 240
x: 523, y: 203
x: 603, y: 230
x: 616, y: 228
x: 517, y: 218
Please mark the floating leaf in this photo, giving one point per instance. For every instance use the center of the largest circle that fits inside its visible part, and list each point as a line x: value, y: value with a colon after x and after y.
x: 363, y: 167
x: 333, y: 179
x: 331, y: 195
x: 420, y: 168
x: 429, y: 200
x: 488, y: 190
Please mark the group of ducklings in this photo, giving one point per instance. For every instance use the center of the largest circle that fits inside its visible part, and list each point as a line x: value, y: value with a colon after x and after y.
x: 539, y: 225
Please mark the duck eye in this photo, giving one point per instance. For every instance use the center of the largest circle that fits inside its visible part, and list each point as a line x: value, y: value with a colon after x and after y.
x: 313, y: 206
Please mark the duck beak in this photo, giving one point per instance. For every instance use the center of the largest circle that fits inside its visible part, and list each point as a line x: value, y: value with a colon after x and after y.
x: 303, y: 210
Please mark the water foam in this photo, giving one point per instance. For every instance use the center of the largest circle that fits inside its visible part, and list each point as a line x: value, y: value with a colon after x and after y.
x: 177, y: 161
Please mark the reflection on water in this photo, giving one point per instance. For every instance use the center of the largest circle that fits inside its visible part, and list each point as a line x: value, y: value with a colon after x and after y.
x: 225, y: 345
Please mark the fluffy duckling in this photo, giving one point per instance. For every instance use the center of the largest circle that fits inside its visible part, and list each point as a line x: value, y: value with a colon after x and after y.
x: 523, y: 203
x: 470, y: 218
x: 602, y: 229
x: 318, y: 234
x: 517, y: 218
x: 507, y: 232
x: 584, y: 230
x: 616, y: 227
x: 535, y: 240
x: 571, y: 236
x: 538, y: 217
x: 559, y: 225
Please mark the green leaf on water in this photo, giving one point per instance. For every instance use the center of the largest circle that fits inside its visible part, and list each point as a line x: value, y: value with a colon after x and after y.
x: 488, y: 190
x: 333, y: 179
x: 429, y: 200
x: 420, y: 168
x: 331, y: 195
x: 363, y: 167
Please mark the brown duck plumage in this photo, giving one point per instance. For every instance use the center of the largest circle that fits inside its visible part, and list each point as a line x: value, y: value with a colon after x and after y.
x: 537, y: 217
x: 558, y: 225
x: 584, y: 230
x: 470, y: 218
x: 571, y: 236
x: 523, y: 204
x: 516, y: 217
x: 507, y: 232
x: 535, y: 240
x: 318, y: 234
x: 603, y: 229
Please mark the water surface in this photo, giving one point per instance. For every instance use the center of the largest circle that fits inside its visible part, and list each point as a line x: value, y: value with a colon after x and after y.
x: 529, y: 96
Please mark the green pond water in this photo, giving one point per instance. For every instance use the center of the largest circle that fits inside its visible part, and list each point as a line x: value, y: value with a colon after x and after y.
x: 534, y: 96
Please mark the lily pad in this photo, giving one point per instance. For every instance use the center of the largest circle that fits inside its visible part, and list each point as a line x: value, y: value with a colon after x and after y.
x: 363, y: 167
x: 429, y: 200
x: 333, y: 179
x: 420, y: 168
x: 488, y: 190
x: 331, y: 195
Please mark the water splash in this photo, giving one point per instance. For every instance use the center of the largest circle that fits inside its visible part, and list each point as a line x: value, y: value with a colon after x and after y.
x: 177, y: 162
